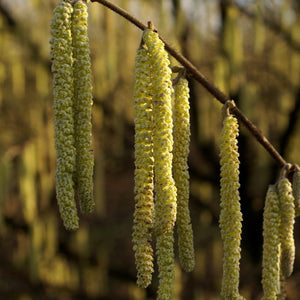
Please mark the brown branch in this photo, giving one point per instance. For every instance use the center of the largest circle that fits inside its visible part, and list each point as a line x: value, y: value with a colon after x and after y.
x: 192, y: 70
x: 7, y: 16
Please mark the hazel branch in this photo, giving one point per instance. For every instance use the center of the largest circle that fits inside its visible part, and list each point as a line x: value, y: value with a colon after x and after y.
x: 193, y: 71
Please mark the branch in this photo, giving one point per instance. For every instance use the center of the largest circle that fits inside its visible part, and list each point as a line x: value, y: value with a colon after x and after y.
x: 192, y: 70
x: 5, y: 13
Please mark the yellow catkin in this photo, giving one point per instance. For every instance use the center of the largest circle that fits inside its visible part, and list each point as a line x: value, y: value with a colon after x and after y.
x: 61, y: 56
x: 181, y: 175
x: 282, y: 288
x: 82, y: 108
x: 165, y: 261
x: 165, y: 190
x: 296, y: 191
x: 271, y: 245
x: 230, y: 216
x: 286, y: 229
x: 143, y: 177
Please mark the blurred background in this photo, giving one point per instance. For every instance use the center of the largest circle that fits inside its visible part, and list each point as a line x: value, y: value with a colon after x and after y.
x: 249, y: 49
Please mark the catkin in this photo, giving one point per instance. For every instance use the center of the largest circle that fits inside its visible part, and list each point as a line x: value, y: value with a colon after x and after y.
x: 282, y: 288
x: 166, y: 266
x: 296, y: 191
x: 143, y: 177
x: 165, y: 190
x: 181, y: 175
x: 83, y: 175
x: 230, y: 216
x: 271, y: 246
x: 61, y: 56
x: 286, y: 229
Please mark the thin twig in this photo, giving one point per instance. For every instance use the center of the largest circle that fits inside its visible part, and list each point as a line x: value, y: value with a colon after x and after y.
x: 192, y: 70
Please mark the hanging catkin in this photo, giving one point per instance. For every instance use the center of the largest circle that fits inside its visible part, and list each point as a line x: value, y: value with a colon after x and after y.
x: 181, y: 175
x: 271, y: 246
x: 165, y: 261
x: 286, y: 229
x: 61, y: 56
x: 143, y: 177
x: 296, y: 191
x: 83, y: 175
x: 165, y: 190
x: 282, y: 288
x: 230, y: 216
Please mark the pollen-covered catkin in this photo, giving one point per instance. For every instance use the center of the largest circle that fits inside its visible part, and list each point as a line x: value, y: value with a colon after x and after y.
x: 61, y: 56
x: 181, y: 134
x: 166, y: 265
x: 230, y: 216
x: 165, y: 190
x: 296, y: 191
x: 286, y: 229
x: 143, y: 176
x: 83, y: 101
x: 282, y: 288
x: 271, y: 245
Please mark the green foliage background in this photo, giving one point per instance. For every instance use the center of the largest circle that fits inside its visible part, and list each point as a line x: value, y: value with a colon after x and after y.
x: 255, y: 63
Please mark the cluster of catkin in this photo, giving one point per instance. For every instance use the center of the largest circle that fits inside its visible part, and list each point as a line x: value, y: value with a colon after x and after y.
x: 281, y: 207
x: 72, y: 91
x: 162, y: 133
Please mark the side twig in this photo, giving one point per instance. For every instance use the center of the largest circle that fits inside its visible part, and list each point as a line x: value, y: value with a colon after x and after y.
x: 193, y: 71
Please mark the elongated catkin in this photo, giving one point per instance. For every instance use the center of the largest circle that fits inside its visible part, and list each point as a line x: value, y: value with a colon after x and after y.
x: 166, y: 265
x: 144, y: 163
x: 271, y: 245
x: 83, y: 175
x: 61, y: 56
x: 165, y: 190
x: 296, y: 191
x: 181, y: 120
x: 286, y: 229
x: 230, y: 216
